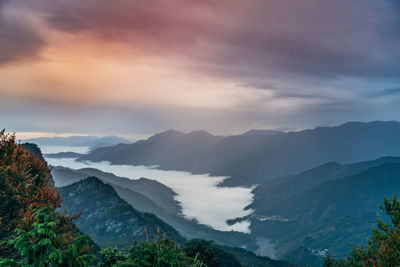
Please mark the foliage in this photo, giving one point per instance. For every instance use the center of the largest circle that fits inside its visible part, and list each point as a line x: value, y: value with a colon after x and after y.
x: 76, y: 255
x: 197, y: 261
x: 111, y: 256
x: 383, y: 247
x: 163, y: 252
x: 31, y: 231
x: 41, y: 246
x: 38, y: 245
x: 25, y: 184
x: 157, y: 252
x: 34, y: 233
x: 209, y: 253
x: 8, y: 263
x: 203, y: 250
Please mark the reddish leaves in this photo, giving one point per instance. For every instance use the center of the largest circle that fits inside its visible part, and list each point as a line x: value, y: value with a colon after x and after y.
x: 25, y: 185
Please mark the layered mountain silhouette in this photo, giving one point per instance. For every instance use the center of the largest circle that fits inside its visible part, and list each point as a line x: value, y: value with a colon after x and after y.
x: 331, y: 207
x: 90, y: 141
x: 64, y: 155
x: 257, y: 156
x: 109, y: 220
x: 318, y: 190
x: 153, y: 197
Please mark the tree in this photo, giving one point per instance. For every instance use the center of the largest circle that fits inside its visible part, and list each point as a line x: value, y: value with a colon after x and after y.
x: 25, y: 185
x: 383, y: 247
x: 41, y: 247
x: 37, y: 247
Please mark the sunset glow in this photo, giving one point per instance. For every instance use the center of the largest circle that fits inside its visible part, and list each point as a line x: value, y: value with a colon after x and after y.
x: 155, y: 65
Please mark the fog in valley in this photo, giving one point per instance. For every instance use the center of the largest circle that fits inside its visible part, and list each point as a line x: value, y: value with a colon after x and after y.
x: 199, y: 195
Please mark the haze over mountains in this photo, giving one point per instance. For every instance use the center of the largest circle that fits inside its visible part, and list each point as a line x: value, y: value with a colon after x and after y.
x: 265, y: 132
x: 153, y: 197
x: 111, y: 221
x: 85, y: 141
x: 331, y: 207
x: 318, y: 190
x: 257, y: 156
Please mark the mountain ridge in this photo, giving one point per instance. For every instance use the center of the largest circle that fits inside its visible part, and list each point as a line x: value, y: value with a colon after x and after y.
x: 157, y: 199
x: 335, y: 214
x: 109, y: 220
x: 250, y: 160
x: 78, y: 140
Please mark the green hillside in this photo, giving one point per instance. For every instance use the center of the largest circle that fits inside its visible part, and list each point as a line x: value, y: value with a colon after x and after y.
x: 332, y: 216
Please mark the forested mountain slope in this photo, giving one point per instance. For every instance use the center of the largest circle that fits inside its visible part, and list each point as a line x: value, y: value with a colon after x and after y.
x: 153, y: 197
x: 108, y: 219
x: 335, y: 214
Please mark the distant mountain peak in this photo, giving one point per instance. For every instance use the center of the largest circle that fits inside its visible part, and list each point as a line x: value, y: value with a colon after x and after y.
x: 255, y: 132
x: 92, y: 180
x: 171, y: 132
x: 175, y: 135
x: 90, y: 141
x: 200, y: 133
x: 369, y: 123
x: 166, y: 134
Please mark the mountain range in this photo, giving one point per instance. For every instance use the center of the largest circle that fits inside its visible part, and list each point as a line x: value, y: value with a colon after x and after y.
x: 111, y: 221
x: 152, y: 197
x: 255, y: 157
x: 87, y: 141
x: 331, y: 207
x: 317, y: 190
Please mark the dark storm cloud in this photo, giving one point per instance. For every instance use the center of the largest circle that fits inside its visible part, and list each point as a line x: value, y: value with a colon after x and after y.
x: 324, y: 61
x: 257, y: 38
x: 17, y: 39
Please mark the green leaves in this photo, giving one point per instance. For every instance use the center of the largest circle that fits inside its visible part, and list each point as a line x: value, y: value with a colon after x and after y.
x: 8, y: 263
x: 111, y: 256
x: 24, y: 185
x: 55, y: 256
x: 392, y: 208
x: 41, y: 246
x: 75, y: 256
x: 383, y: 246
x: 156, y: 253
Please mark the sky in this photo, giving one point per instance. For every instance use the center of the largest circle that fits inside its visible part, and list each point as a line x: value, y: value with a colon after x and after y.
x: 137, y: 67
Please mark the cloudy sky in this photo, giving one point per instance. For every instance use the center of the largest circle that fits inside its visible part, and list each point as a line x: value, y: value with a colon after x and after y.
x: 136, y: 67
